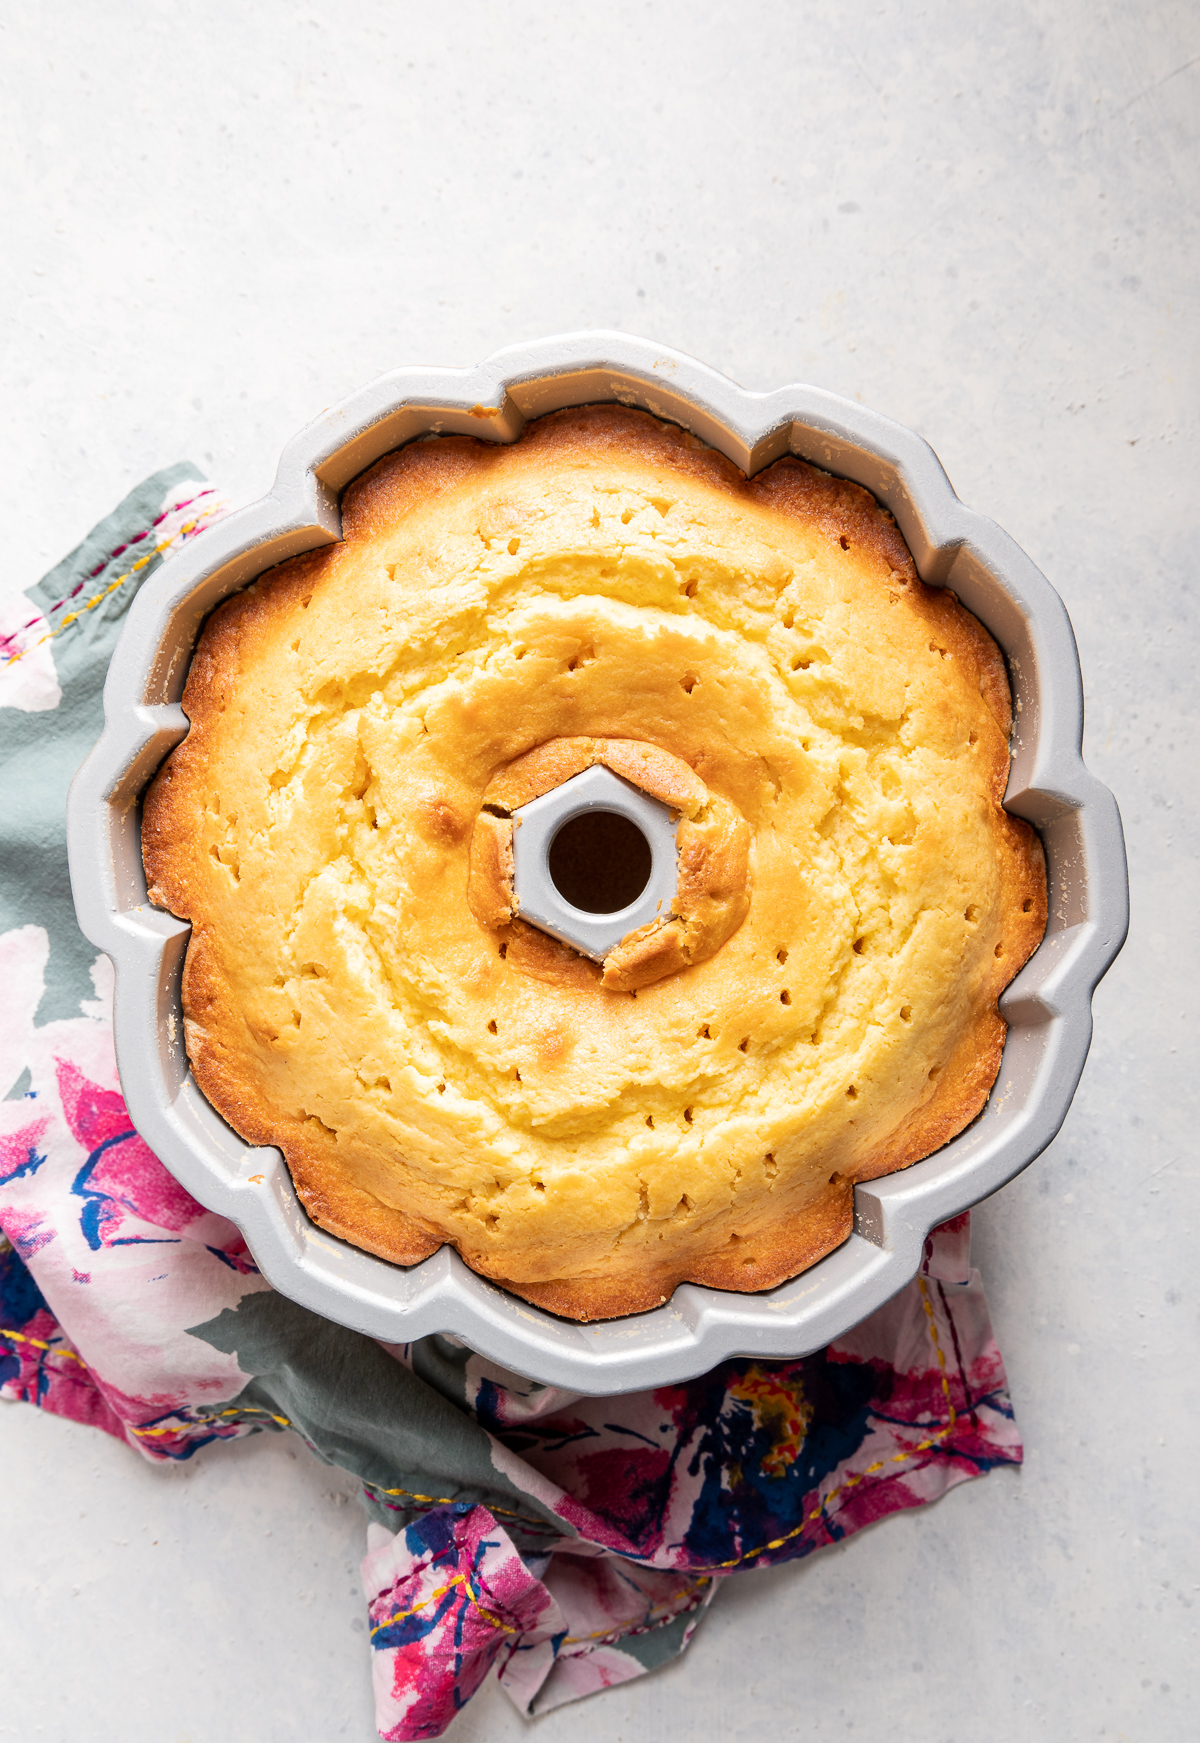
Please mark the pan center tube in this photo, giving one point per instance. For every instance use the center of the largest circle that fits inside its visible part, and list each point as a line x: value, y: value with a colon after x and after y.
x: 594, y: 860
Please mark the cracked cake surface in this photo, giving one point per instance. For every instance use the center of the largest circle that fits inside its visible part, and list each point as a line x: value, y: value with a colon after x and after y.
x: 359, y: 988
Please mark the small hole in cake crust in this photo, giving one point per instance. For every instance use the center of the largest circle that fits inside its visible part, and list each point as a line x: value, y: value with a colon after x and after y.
x: 934, y: 1072
x: 1027, y: 904
x: 492, y: 1027
x: 703, y: 1032
x: 306, y: 602
x: 935, y: 649
x: 858, y: 946
x: 743, y: 1043
x: 514, y: 545
x: 781, y: 954
x: 539, y: 1186
x: 503, y: 951
x: 800, y: 665
x: 770, y: 1166
x: 906, y: 1013
x: 844, y: 542
x: 650, y: 1121
x: 626, y: 516
x: 690, y: 589
x: 785, y: 997
x: 972, y: 914
x: 516, y: 1075
x: 973, y: 739
x: 687, y: 1114
x: 852, y: 1093
x: 999, y: 950
x: 688, y: 682
x: 441, y: 1089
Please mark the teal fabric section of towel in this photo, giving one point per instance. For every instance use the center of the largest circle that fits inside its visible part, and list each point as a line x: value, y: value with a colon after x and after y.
x: 40, y: 751
x: 360, y: 1408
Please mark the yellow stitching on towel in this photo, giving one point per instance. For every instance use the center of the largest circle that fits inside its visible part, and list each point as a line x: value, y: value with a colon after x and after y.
x: 256, y: 1410
x: 403, y: 1615
x: 38, y: 1344
x: 472, y: 1594
x: 97, y: 598
x: 243, y: 1410
x: 447, y: 1501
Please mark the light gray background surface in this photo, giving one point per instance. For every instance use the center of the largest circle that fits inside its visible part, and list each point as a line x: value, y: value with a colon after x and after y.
x: 980, y: 220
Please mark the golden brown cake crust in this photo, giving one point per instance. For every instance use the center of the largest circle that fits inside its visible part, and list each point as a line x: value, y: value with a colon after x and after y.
x: 834, y: 735
x: 648, y: 766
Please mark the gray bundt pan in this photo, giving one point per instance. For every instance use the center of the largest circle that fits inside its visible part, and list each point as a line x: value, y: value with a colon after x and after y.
x: 1048, y: 1006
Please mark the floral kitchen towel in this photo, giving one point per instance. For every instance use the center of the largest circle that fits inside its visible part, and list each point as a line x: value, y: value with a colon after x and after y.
x: 567, y: 1543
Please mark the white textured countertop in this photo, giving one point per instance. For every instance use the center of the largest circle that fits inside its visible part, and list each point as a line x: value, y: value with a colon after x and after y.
x: 981, y: 221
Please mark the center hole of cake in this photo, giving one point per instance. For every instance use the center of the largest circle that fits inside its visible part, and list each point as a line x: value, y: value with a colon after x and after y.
x: 600, y: 862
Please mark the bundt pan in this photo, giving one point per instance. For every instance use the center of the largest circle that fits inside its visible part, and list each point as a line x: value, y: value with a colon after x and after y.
x: 1048, y: 1005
